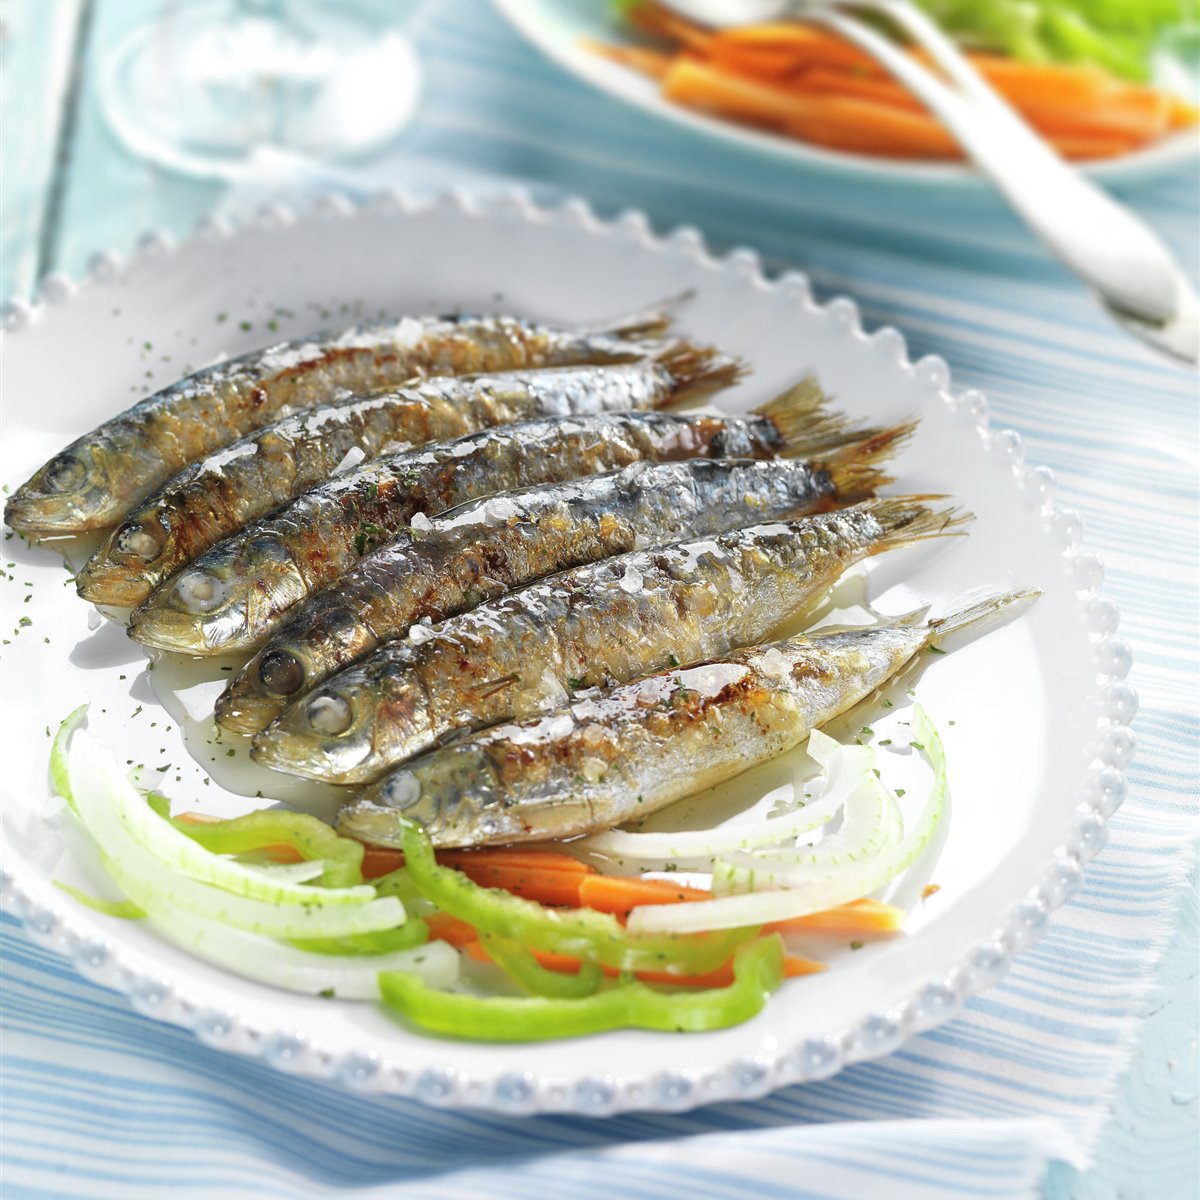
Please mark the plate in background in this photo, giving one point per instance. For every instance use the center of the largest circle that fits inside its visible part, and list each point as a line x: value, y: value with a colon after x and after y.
x: 559, y: 27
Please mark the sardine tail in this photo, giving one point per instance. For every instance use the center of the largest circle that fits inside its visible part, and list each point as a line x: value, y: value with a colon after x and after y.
x: 804, y: 425
x: 983, y: 616
x: 855, y: 468
x: 909, y: 519
x: 697, y: 370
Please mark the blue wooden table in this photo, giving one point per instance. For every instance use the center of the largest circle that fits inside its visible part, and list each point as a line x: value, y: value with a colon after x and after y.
x: 70, y: 190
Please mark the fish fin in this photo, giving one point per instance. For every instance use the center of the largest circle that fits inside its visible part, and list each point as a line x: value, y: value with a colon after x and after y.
x: 908, y: 519
x: 855, y: 468
x: 985, y: 614
x: 649, y: 323
x: 697, y: 370
x: 909, y: 619
x: 489, y: 687
x: 803, y: 425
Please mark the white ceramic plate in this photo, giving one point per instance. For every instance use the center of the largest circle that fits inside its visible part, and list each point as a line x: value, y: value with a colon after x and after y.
x: 561, y: 27
x: 1024, y: 712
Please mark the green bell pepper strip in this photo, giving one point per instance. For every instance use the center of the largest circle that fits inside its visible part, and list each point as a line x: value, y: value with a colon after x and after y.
x: 310, y: 837
x: 582, y: 933
x: 414, y: 932
x: 757, y: 971
x: 519, y: 964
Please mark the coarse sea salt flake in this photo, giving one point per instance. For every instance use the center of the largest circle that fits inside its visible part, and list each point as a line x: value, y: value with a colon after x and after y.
x: 500, y: 509
x: 350, y: 460
x: 631, y: 581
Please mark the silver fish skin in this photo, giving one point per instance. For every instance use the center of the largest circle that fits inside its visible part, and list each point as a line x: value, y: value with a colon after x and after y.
x: 95, y: 481
x: 216, y: 496
x: 482, y: 549
x: 232, y: 596
x: 638, y: 748
x: 593, y: 626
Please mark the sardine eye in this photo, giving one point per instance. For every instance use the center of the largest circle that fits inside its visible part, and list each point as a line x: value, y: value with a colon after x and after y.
x: 281, y: 673
x: 200, y: 592
x: 403, y: 790
x: 329, y: 714
x: 140, y: 541
x: 267, y: 549
x: 64, y: 473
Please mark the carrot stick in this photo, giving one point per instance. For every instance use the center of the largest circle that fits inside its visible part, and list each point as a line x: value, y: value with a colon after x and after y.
x: 654, y: 63
x: 860, y: 916
x: 662, y: 23
x: 698, y: 85
x: 1082, y: 149
x: 533, y: 858
x: 1181, y: 114
x: 445, y: 928
x: 618, y: 894
x: 793, y: 965
x: 801, y: 45
x: 381, y: 860
x: 844, y: 123
x: 546, y: 887
x: 1130, y: 116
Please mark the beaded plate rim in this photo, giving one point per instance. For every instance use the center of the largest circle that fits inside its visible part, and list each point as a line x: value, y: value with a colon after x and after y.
x: 48, y: 922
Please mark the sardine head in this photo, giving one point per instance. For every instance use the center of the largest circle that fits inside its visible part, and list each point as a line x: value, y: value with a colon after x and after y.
x: 124, y: 570
x: 452, y: 792
x: 322, y: 637
x: 72, y: 493
x: 261, y: 690
x: 350, y: 729
x: 227, y: 600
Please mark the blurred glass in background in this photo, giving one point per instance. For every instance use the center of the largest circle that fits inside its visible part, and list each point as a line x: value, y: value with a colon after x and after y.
x: 203, y: 84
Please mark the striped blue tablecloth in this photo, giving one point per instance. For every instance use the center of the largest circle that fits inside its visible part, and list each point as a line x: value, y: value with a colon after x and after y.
x: 101, y: 1102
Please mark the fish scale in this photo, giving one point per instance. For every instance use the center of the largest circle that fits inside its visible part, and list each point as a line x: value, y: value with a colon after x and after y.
x: 487, y: 547
x: 594, y: 625
x: 95, y: 481
x: 637, y: 748
x: 233, y: 595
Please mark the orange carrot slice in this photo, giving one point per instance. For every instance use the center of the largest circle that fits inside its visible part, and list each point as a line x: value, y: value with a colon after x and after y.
x: 859, y: 916
x: 445, y: 928
x: 381, y: 860
x: 653, y: 63
x: 618, y: 894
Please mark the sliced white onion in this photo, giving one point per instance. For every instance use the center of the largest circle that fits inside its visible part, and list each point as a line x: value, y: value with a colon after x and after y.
x: 866, y: 833
x: 101, y: 789
x: 300, y: 872
x: 175, y: 850
x: 346, y: 977
x: 845, y: 767
x: 833, y: 886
